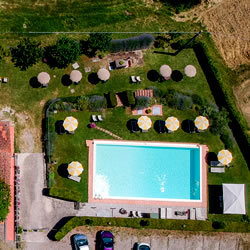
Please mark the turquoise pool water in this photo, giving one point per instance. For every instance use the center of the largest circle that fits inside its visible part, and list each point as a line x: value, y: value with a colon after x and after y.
x: 147, y: 172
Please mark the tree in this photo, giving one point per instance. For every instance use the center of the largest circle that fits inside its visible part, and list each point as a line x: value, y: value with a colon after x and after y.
x: 26, y: 54
x: 5, y: 200
x: 64, y: 52
x: 99, y: 41
x: 219, y: 122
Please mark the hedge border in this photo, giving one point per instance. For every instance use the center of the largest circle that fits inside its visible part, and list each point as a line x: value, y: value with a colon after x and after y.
x: 185, y: 225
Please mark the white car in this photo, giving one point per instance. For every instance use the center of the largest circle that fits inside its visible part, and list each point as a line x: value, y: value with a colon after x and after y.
x: 81, y: 242
x: 143, y: 246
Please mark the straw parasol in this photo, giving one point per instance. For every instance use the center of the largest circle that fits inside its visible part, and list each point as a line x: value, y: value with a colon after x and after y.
x: 165, y: 71
x: 43, y: 78
x: 201, y: 122
x: 75, y: 76
x: 103, y: 74
x: 172, y: 123
x: 144, y: 122
x: 190, y: 71
x: 225, y: 156
x: 75, y: 168
x: 70, y: 123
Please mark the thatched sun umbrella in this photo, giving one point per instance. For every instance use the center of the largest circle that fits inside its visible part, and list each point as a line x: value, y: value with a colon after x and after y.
x: 43, y: 78
x: 103, y: 74
x: 190, y: 71
x: 75, y: 76
x: 165, y: 71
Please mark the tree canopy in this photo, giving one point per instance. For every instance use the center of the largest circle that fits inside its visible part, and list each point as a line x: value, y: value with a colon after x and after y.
x: 4, y: 200
x: 99, y: 41
x: 64, y: 52
x: 26, y: 54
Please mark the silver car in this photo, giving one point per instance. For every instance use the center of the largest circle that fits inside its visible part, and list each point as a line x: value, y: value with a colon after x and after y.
x: 80, y: 242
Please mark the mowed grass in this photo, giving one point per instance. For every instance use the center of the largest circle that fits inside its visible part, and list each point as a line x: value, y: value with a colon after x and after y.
x: 87, y: 15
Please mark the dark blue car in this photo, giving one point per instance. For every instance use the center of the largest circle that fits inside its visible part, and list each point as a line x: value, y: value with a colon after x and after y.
x: 107, y: 240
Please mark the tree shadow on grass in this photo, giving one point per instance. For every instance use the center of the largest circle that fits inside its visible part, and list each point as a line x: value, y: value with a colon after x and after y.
x: 57, y: 227
x: 66, y: 80
x: 34, y: 82
x: 62, y: 170
x: 153, y: 75
x: 93, y: 78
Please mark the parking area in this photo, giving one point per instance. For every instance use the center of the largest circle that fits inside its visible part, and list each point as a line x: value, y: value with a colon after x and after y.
x: 158, y: 239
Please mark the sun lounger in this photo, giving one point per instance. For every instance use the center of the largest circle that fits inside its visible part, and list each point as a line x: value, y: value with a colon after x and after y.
x: 100, y: 118
x: 133, y: 79
x: 215, y: 163
x: 217, y: 170
x: 75, y: 178
x: 138, y: 79
x: 94, y: 118
x: 192, y: 214
x: 162, y: 213
x: 134, y: 214
x: 169, y: 213
x: 5, y: 80
x: 138, y: 214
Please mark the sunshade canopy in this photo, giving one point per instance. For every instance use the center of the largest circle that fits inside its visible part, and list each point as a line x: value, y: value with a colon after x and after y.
x: 201, y: 122
x: 43, y: 78
x: 190, y: 71
x: 75, y: 168
x: 234, y: 199
x: 70, y: 123
x: 144, y: 122
x: 165, y: 70
x: 172, y: 123
x: 75, y: 76
x: 225, y: 156
x: 103, y: 74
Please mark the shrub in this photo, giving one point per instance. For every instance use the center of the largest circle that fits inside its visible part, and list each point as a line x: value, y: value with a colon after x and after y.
x: 168, y: 97
x: 112, y: 99
x: 219, y: 122
x: 228, y: 138
x: 82, y: 103
x: 161, y: 41
x: 148, y: 111
x: 5, y: 200
x: 144, y: 223
x: 96, y: 103
x: 218, y: 225
x: 89, y: 222
x: 134, y: 43
x: 64, y: 52
x: 181, y: 102
x: 157, y: 92
x: 130, y: 97
x: 142, y: 102
x: 197, y: 99
x: 98, y: 41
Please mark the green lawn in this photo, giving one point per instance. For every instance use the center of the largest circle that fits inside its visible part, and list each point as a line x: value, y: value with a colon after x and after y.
x: 116, y: 119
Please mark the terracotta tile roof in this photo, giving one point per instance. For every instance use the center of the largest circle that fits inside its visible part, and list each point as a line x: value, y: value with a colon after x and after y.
x: 7, y: 165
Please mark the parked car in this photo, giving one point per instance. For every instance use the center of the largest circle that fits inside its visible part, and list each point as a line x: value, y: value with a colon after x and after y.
x: 143, y: 246
x: 107, y: 240
x: 80, y: 242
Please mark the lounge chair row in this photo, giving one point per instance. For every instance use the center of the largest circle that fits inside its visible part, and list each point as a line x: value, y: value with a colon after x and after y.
x: 136, y: 214
x: 96, y: 118
x: 135, y: 79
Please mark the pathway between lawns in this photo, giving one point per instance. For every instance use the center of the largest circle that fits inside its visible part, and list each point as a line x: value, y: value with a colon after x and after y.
x: 108, y: 132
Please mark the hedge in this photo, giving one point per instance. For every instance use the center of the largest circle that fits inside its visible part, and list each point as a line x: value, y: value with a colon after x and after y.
x: 223, y: 94
x: 130, y: 97
x: 134, y: 43
x: 187, y: 225
x: 112, y: 99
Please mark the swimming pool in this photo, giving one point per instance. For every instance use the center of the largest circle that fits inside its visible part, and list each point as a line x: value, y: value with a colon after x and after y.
x: 128, y: 170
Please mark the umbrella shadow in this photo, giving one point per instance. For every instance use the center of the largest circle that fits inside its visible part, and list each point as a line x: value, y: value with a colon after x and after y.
x: 93, y: 78
x: 177, y: 76
x: 62, y: 170
x: 153, y: 75
x: 211, y: 156
x: 188, y: 126
x: 66, y: 80
x: 34, y: 82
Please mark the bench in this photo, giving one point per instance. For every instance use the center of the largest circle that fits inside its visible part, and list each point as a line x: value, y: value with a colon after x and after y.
x: 217, y: 170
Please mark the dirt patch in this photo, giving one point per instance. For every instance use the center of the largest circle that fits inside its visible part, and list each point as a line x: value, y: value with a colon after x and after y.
x: 27, y: 136
x: 228, y: 22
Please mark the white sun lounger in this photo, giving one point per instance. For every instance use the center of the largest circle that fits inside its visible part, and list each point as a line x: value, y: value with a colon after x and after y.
x: 162, y: 213
x: 138, y: 214
x: 100, y: 118
x: 217, y: 170
x: 138, y: 79
x: 94, y: 118
x: 133, y: 79
x: 169, y: 213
